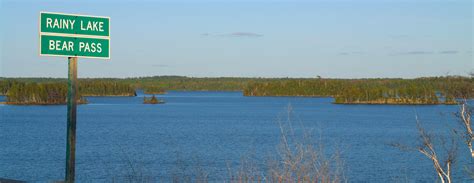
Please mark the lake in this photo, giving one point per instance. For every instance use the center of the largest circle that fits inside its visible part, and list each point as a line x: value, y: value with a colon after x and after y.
x: 214, y: 131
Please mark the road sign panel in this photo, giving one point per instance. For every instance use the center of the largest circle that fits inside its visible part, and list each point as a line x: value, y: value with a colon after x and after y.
x: 73, y: 35
x: 74, y: 24
x: 74, y: 46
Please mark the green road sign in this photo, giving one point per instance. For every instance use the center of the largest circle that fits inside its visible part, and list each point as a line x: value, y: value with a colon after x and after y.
x: 74, y: 46
x: 74, y: 24
x: 73, y: 36
x: 70, y: 35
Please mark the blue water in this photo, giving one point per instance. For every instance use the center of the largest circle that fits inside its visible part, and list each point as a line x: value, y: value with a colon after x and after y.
x: 213, y: 130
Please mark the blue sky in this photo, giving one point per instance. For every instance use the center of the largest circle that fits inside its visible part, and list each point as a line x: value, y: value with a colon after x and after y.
x: 337, y: 38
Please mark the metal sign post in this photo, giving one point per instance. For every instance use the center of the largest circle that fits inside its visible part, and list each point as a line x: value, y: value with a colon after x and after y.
x: 71, y: 119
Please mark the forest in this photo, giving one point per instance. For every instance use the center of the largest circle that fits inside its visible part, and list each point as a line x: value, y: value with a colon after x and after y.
x: 88, y: 87
x: 38, y: 94
x: 53, y: 91
x: 159, y: 84
x: 432, y: 90
x: 428, y: 90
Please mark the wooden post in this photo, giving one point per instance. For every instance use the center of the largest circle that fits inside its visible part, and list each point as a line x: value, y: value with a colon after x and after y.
x: 71, y: 119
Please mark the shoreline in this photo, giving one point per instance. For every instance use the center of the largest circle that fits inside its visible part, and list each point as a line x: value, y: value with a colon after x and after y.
x: 108, y: 95
x: 157, y: 93
x: 42, y: 104
x: 300, y: 96
x: 370, y: 103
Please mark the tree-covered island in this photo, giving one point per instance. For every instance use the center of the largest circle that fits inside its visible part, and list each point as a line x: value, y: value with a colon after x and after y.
x: 21, y: 92
x: 152, y: 100
x: 429, y: 91
x: 38, y: 94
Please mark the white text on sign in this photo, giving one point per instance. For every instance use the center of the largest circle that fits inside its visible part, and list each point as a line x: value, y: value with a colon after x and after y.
x: 69, y: 24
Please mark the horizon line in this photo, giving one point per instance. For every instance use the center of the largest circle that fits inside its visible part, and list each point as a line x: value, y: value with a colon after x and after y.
x: 470, y: 75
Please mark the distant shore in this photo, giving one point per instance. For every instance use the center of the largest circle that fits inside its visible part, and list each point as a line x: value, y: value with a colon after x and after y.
x: 155, y: 93
x: 390, y: 103
x: 36, y: 103
x: 373, y: 91
x: 123, y: 95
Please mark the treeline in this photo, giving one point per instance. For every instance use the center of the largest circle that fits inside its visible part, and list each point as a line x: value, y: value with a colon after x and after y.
x: 47, y: 92
x: 5, y: 85
x: 159, y: 84
x: 87, y: 87
x: 295, y: 87
x: 405, y: 93
x: 105, y: 88
x: 433, y: 90
x: 154, y: 90
x: 430, y: 90
x: 39, y: 94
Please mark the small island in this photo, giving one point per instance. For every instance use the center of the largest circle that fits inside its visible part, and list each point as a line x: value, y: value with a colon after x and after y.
x: 152, y: 100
